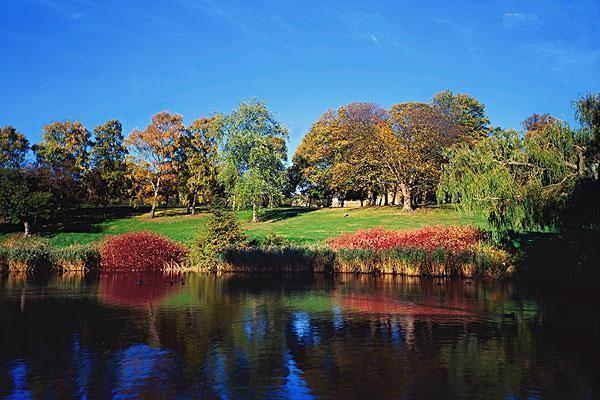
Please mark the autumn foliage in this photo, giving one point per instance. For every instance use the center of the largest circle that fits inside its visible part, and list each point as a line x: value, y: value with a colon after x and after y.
x: 454, y: 239
x: 139, y: 251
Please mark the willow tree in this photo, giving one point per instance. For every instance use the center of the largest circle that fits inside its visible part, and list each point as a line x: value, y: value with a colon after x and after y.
x: 517, y: 182
x: 152, y: 154
x: 255, y: 153
x: 587, y: 110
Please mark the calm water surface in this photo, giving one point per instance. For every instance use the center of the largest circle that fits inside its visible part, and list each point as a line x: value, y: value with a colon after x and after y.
x: 161, y: 336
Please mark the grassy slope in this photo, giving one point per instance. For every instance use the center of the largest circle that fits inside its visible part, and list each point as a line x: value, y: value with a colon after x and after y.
x: 297, y: 225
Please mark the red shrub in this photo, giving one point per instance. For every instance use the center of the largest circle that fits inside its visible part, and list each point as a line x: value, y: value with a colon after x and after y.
x: 451, y: 238
x: 139, y: 251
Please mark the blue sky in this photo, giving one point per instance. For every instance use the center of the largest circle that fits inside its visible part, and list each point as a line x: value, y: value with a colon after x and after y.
x: 94, y: 60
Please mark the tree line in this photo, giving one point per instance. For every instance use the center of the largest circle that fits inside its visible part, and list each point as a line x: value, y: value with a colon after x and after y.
x: 444, y: 150
x: 237, y: 159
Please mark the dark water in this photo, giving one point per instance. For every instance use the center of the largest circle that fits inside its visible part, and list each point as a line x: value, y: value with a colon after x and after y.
x: 299, y: 336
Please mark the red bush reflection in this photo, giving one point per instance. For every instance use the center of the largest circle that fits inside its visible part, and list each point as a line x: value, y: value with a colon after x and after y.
x: 136, y: 289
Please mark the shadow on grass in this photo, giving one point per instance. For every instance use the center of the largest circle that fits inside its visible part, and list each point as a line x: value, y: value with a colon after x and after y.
x: 85, y: 220
x: 281, y: 214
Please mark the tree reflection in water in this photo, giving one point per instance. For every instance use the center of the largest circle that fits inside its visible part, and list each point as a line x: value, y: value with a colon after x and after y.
x: 296, y: 336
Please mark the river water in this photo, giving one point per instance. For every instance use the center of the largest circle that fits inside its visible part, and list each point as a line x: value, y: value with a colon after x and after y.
x: 167, y: 336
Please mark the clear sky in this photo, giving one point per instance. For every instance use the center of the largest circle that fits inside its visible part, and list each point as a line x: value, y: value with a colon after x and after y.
x: 94, y: 60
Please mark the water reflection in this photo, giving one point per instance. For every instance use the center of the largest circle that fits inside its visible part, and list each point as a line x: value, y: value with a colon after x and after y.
x: 296, y: 336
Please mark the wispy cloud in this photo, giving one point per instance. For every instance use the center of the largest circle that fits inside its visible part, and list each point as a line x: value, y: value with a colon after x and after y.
x: 370, y: 27
x: 563, y: 60
x: 280, y: 23
x: 215, y: 11
x: 59, y: 7
x: 513, y: 19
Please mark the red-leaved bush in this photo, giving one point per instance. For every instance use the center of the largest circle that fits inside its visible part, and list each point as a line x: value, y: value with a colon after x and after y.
x: 454, y: 239
x: 139, y: 251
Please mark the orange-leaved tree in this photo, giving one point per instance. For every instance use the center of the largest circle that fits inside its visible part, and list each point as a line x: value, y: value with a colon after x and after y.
x: 152, y: 153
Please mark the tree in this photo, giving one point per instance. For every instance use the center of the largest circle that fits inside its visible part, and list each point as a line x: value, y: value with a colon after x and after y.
x: 199, y: 158
x: 255, y: 153
x: 516, y: 182
x: 64, y: 152
x: 314, y: 159
x: 464, y: 111
x: 153, y: 152
x: 412, y: 146
x: 357, y: 158
x: 13, y: 147
x: 107, y: 175
x: 22, y: 199
x: 587, y: 110
x: 537, y: 122
x: 339, y: 155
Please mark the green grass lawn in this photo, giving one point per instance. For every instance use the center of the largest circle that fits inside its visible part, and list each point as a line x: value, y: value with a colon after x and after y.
x: 295, y: 224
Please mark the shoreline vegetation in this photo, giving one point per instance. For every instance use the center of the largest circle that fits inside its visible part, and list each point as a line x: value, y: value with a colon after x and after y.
x: 438, y: 251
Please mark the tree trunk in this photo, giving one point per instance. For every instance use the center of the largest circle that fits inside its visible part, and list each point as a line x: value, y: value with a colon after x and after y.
x: 194, y: 199
x: 406, y: 201
x: 25, y: 228
x: 254, y: 218
x: 386, y: 201
x: 394, y: 193
x: 155, y: 198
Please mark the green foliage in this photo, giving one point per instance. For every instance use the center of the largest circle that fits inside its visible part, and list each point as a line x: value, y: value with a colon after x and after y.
x: 76, y: 257
x: 198, y: 160
x: 274, y: 240
x: 223, y: 230
x: 464, y: 110
x: 255, y: 152
x: 516, y: 182
x: 288, y: 258
x: 64, y: 154
x: 22, y: 199
x: 107, y: 177
x: 13, y: 147
x: 587, y: 110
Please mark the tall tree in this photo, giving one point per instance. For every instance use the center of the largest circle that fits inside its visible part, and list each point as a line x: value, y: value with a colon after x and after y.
x: 13, y: 147
x: 587, y: 110
x: 64, y: 152
x: 465, y: 111
x: 314, y: 158
x: 153, y: 151
x: 107, y: 175
x: 412, y: 146
x: 255, y: 153
x: 199, y: 154
x: 339, y: 155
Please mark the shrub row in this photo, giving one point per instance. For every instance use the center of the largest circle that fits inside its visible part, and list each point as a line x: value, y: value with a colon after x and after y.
x: 453, y: 239
x: 130, y: 251
x: 437, y: 251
